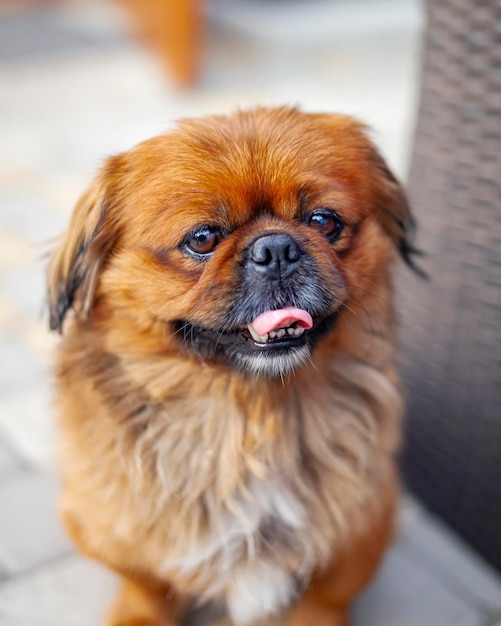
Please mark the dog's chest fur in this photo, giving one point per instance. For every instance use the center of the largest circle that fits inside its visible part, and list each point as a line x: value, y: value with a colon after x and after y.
x: 234, y: 506
x: 234, y: 559
x: 258, y: 519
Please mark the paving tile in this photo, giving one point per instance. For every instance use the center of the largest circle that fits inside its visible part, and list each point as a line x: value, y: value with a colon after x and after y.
x: 8, y: 315
x: 70, y: 592
x: 26, y: 420
x: 9, y: 459
x: 434, y: 547
x: 26, y: 212
x: 17, y: 362
x: 405, y: 594
x: 30, y: 530
x: 24, y: 286
x: 14, y: 249
x: 431, y: 578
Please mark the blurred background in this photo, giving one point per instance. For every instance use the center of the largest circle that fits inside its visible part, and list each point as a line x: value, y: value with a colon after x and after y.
x: 83, y: 79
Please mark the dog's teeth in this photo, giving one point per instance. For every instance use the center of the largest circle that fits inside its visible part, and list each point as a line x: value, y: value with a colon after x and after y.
x: 293, y: 331
x: 253, y: 333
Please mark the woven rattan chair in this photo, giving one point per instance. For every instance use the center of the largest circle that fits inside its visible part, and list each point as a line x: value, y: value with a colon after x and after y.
x: 452, y: 324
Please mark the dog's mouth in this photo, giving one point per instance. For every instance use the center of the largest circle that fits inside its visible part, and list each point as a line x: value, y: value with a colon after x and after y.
x: 280, y: 328
x: 276, y: 341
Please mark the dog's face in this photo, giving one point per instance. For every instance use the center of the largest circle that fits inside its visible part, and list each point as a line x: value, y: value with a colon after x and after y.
x: 243, y: 237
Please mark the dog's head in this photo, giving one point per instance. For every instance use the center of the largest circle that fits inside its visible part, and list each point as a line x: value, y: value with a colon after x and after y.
x: 242, y: 236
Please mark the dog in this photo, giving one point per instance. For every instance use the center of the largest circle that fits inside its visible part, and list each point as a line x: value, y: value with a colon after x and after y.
x: 229, y: 408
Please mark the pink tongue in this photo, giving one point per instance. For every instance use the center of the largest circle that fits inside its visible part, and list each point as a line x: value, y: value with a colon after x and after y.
x: 271, y: 320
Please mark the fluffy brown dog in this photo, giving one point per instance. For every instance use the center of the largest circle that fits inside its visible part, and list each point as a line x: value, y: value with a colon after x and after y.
x: 229, y: 409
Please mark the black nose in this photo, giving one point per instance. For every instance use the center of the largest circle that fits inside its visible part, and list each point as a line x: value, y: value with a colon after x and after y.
x: 275, y: 255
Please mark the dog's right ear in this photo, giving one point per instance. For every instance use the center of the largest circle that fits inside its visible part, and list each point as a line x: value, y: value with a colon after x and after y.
x: 75, y: 265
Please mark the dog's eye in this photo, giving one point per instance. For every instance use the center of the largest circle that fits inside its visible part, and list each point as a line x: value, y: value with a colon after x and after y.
x: 204, y: 240
x: 327, y: 222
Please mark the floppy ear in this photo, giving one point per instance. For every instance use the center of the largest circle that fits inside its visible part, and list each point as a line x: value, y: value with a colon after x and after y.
x: 396, y: 217
x: 74, y: 266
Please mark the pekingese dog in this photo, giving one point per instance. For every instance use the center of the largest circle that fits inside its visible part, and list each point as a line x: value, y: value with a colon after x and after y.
x: 228, y: 403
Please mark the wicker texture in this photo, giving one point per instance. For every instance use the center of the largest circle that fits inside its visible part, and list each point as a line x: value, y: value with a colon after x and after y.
x: 451, y: 325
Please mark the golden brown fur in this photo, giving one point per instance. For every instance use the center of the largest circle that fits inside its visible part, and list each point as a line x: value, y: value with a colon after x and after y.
x: 187, y: 474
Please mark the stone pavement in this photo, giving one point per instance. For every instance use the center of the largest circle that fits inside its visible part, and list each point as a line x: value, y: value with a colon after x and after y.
x: 73, y: 89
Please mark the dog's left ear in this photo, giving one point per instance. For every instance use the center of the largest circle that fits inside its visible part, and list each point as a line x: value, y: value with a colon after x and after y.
x: 75, y: 265
x: 395, y: 214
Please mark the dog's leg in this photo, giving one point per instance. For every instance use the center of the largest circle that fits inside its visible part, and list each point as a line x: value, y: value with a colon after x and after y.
x: 327, y: 598
x: 139, y: 605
